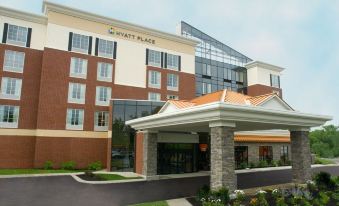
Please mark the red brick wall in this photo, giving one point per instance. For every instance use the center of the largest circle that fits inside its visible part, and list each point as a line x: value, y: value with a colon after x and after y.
x: 16, y: 151
x: 258, y: 89
x: 139, y: 152
x: 80, y: 150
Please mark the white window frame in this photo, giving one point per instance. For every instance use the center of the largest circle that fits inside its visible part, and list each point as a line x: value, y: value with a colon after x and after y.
x: 109, y: 67
x: 172, y: 97
x: 171, y: 82
x: 82, y: 42
x: 154, y: 79
x: 206, y: 88
x: 100, y: 102
x: 69, y: 124
x: 173, y: 62
x: 153, y: 96
x: 81, y: 90
x: 275, y: 81
x: 76, y: 65
x: 96, y: 119
x: 14, y: 61
x: 104, y: 46
x: 154, y: 58
x: 7, y: 124
x: 21, y: 32
x: 14, y: 83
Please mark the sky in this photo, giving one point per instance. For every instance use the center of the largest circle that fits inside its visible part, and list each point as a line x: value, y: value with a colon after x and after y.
x: 299, y: 35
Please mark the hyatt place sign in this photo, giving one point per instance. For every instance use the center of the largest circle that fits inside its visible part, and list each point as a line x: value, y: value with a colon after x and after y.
x: 130, y: 36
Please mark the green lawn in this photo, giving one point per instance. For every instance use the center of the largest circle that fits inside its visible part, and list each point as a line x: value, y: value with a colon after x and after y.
x: 159, y: 203
x: 34, y: 171
x: 114, y: 177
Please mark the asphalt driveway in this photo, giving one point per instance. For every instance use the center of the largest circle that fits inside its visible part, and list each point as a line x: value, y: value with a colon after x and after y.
x: 64, y: 190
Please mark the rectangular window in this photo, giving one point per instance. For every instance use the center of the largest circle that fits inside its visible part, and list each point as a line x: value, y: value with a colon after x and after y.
x: 76, y: 93
x: 105, y: 48
x: 266, y: 153
x: 75, y: 119
x: 103, y: 95
x: 104, y: 72
x: 154, y: 96
x: 172, y: 82
x: 206, y: 88
x: 174, y: 97
x: 17, y: 35
x: 206, y: 69
x: 275, y: 81
x: 172, y: 61
x: 154, y: 58
x: 284, y: 154
x: 11, y: 88
x: 154, y: 79
x: 101, y: 121
x: 14, y: 61
x: 80, y: 43
x: 241, y: 156
x: 9, y: 116
x: 78, y: 68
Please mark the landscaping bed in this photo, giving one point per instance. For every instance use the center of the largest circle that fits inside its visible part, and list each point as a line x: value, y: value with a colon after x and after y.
x: 89, y: 176
x: 35, y: 171
x: 323, y: 190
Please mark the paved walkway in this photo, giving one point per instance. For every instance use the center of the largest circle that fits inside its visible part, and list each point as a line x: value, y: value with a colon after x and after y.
x: 64, y: 190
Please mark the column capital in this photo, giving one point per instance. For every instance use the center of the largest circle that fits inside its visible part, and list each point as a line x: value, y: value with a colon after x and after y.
x: 300, y: 129
x: 222, y: 124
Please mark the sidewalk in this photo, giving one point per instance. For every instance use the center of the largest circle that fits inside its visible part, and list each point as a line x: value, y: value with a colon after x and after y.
x: 178, y: 202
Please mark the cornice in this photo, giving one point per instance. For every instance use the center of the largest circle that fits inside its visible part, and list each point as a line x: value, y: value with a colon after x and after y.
x: 17, y: 14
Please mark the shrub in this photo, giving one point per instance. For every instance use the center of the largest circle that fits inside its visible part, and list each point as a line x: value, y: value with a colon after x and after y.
x: 48, y: 165
x: 262, y: 163
x: 70, y: 165
x: 261, y: 197
x: 221, y: 194
x: 252, y: 165
x: 274, y: 163
x: 95, y: 166
x: 243, y: 165
x: 324, y: 181
x: 89, y: 173
x: 203, y: 193
x: 213, y: 198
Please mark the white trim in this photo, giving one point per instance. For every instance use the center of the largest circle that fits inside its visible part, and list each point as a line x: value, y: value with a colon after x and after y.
x: 17, y: 14
x: 223, y: 96
x: 221, y: 124
x: 264, y: 65
x: 279, y: 99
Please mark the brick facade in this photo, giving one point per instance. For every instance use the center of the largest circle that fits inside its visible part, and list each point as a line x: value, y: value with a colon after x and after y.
x: 259, y: 89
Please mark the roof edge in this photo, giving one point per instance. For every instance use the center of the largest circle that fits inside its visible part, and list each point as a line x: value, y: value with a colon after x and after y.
x: 22, y: 15
x: 264, y: 65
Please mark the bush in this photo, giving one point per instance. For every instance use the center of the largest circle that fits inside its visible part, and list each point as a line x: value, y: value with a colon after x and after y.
x: 95, y: 166
x: 89, y: 173
x: 243, y: 165
x: 252, y: 165
x: 70, y: 165
x: 262, y: 163
x: 324, y: 181
x: 213, y: 198
x: 48, y: 165
x: 203, y: 193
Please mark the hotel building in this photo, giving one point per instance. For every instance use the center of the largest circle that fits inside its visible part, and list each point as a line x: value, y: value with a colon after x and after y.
x: 70, y: 79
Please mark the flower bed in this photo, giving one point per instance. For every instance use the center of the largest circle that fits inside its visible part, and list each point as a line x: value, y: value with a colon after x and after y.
x: 321, y: 191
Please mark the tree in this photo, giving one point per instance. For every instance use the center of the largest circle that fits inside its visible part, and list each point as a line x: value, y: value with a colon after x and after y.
x: 325, y: 141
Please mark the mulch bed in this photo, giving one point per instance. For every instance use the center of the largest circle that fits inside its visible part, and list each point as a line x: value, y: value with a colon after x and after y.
x: 91, y: 178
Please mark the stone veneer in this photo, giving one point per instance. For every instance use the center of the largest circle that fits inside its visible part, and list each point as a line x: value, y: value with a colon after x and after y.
x: 301, y: 156
x: 222, y: 158
x: 150, y: 148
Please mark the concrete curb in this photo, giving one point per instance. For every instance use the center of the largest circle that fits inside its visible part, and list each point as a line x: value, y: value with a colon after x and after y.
x: 39, y: 175
x: 78, y: 179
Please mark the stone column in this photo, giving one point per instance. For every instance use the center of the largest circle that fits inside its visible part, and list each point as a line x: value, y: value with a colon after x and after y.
x: 222, y: 158
x: 150, y: 157
x: 301, y: 156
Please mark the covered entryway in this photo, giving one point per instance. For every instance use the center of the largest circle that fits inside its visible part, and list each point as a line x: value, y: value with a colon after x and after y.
x: 221, y: 120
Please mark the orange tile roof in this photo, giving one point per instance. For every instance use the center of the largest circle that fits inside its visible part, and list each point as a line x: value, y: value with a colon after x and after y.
x: 208, y: 98
x: 180, y: 104
x: 256, y: 100
x: 256, y: 138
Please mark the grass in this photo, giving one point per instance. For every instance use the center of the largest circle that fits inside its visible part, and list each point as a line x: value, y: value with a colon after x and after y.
x: 114, y: 177
x: 322, y: 161
x: 34, y: 171
x: 159, y: 203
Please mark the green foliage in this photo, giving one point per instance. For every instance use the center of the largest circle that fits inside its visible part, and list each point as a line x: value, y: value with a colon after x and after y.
x: 324, y: 181
x: 280, y: 201
x: 325, y: 141
x: 95, y: 166
x: 70, y: 165
x: 221, y: 194
x: 243, y: 165
x: 252, y: 165
x: 322, y: 200
x: 213, y: 198
x: 203, y: 193
x: 48, y: 165
x: 322, y: 161
x: 262, y: 163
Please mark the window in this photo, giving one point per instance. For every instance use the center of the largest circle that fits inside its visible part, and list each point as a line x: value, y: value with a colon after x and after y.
x: 265, y: 153
x: 75, y: 119
x: 206, y: 88
x: 170, y: 96
x: 241, y: 156
x: 101, y: 121
x: 105, y: 48
x: 275, y: 81
x: 76, y: 93
x: 17, y: 35
x: 154, y: 58
x: 14, y: 61
x: 80, y: 43
x: 104, y: 72
x: 78, y: 68
x: 154, y: 79
x: 284, y: 154
x: 239, y: 76
x: 154, y: 96
x: 103, y: 96
x: 206, y: 69
x: 172, y: 82
x: 10, y: 88
x: 9, y: 116
x: 172, y: 61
